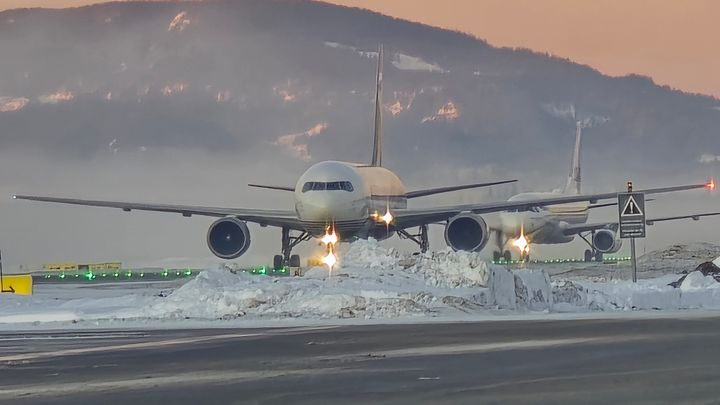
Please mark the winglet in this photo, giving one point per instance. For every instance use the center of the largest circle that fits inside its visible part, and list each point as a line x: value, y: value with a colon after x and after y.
x: 378, y: 135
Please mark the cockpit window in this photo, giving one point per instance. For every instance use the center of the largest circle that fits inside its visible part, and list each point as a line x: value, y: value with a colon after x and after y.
x: 332, y: 186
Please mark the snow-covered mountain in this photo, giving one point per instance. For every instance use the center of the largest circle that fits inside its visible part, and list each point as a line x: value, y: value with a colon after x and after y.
x: 259, y: 76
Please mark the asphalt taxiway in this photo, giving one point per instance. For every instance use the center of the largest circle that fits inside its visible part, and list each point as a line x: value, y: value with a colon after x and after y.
x: 667, y: 360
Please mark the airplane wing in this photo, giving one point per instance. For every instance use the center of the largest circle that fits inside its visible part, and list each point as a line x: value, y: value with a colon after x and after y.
x: 576, y: 229
x: 410, y: 217
x: 440, y: 190
x: 279, y: 188
x: 264, y: 217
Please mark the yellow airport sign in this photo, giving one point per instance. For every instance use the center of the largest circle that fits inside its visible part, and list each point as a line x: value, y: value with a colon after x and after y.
x: 21, y: 284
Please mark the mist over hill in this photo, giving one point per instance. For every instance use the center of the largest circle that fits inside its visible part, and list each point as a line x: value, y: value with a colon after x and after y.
x: 160, y: 100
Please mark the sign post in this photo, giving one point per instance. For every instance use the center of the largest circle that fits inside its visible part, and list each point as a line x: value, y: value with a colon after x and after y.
x: 631, y: 220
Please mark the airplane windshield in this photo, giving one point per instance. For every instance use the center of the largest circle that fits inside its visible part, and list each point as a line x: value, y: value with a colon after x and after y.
x: 332, y: 186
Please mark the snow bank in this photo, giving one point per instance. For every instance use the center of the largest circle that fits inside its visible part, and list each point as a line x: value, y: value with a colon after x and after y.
x: 371, y: 282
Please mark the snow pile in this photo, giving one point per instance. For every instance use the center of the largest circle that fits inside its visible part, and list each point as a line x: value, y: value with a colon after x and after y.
x: 533, y: 290
x: 371, y: 282
x: 697, y: 281
x: 407, y: 62
x: 695, y: 291
x: 369, y: 255
x: 452, y: 269
x: 675, y: 258
x: 717, y: 261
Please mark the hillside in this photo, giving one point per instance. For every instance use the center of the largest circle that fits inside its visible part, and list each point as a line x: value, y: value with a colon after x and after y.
x: 293, y: 80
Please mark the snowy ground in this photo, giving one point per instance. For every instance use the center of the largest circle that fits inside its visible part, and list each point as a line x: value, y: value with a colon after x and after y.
x: 373, y: 284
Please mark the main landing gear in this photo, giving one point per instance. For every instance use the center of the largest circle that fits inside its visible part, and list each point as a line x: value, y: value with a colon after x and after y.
x: 591, y: 253
x: 500, y: 254
x: 288, y: 243
x: 421, y: 238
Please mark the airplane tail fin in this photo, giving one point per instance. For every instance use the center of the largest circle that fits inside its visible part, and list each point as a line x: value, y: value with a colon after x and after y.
x: 378, y: 135
x: 574, y: 181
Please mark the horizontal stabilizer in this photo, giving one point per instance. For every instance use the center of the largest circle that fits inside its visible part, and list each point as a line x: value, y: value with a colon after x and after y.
x: 281, y: 188
x: 440, y: 190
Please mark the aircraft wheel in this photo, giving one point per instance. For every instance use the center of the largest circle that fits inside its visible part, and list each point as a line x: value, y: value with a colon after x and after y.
x: 277, y: 262
x: 599, y: 257
x: 507, y: 256
x: 496, y: 256
x: 588, y: 255
x: 294, y: 261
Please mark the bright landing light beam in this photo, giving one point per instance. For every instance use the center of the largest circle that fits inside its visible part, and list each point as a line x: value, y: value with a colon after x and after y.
x: 330, y: 239
x: 522, y: 243
x: 330, y: 260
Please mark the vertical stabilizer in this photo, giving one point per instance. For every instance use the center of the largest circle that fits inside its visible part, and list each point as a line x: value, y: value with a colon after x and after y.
x: 378, y: 135
x: 574, y: 179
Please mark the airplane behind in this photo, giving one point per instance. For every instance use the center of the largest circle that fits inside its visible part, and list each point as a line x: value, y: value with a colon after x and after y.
x: 559, y: 224
x: 340, y: 201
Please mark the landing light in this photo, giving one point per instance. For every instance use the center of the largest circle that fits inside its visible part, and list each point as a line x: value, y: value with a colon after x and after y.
x: 387, y: 218
x: 522, y: 243
x: 329, y: 238
x: 330, y: 260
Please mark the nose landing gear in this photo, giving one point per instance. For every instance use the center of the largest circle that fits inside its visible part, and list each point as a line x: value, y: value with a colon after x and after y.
x: 288, y: 243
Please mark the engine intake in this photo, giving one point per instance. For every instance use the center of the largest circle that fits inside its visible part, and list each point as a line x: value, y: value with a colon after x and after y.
x: 606, y: 241
x: 228, y: 238
x: 466, y: 232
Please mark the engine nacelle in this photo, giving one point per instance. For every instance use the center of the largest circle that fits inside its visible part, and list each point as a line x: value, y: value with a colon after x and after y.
x: 228, y: 238
x: 606, y: 241
x: 466, y: 232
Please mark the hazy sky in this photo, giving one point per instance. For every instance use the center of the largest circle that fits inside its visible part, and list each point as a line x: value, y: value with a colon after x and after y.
x: 672, y: 41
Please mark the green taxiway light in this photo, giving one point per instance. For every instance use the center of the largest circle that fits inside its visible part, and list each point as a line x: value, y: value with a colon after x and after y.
x: 128, y: 274
x: 116, y: 275
x: 89, y: 275
x: 188, y: 272
x: 62, y: 276
x: 142, y: 274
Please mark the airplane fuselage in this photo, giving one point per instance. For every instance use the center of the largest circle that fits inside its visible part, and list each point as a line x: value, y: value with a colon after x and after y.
x: 349, y: 197
x: 543, y: 225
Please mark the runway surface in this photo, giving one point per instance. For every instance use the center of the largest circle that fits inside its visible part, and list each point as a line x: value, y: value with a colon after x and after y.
x: 567, y: 361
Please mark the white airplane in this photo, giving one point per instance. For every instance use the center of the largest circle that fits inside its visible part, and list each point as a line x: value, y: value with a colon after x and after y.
x: 557, y: 224
x: 339, y: 201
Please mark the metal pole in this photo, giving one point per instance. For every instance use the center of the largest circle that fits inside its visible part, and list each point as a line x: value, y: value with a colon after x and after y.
x: 632, y: 243
x: 634, y: 260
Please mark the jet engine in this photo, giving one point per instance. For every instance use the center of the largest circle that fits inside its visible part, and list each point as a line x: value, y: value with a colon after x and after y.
x: 228, y: 238
x: 467, y: 232
x: 606, y: 241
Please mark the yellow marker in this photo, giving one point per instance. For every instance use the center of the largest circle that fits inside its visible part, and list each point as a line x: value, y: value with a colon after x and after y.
x: 21, y: 284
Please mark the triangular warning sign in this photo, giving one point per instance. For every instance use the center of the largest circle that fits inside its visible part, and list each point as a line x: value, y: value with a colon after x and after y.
x: 631, y: 208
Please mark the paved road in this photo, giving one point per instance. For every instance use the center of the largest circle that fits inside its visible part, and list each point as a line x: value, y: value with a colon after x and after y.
x: 569, y: 361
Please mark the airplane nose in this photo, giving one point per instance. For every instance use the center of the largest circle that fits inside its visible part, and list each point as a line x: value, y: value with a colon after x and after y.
x: 326, y: 207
